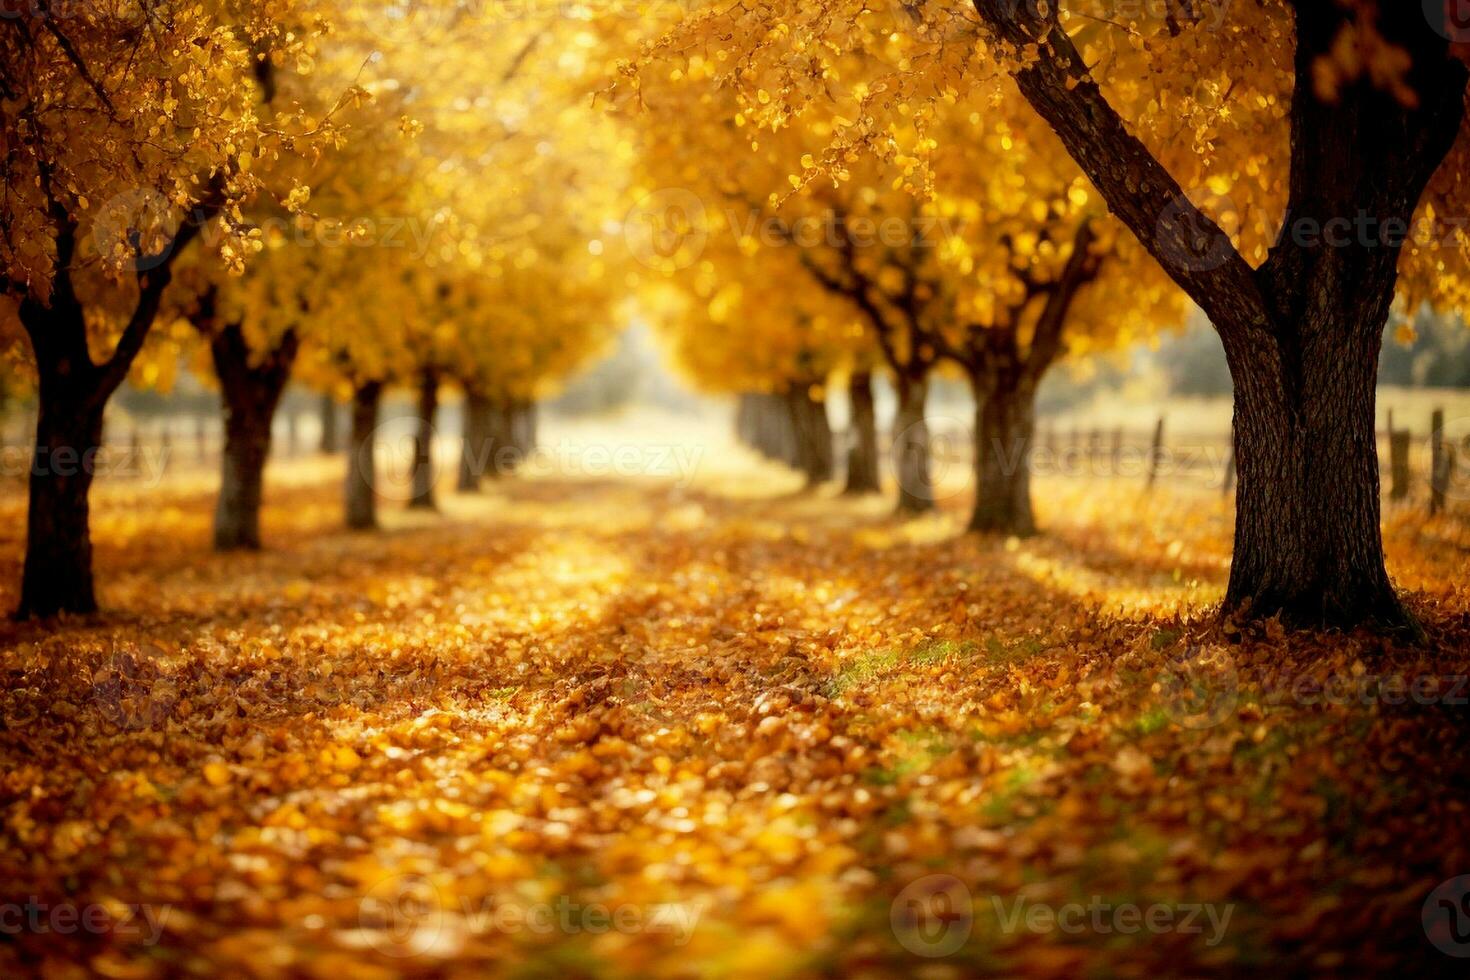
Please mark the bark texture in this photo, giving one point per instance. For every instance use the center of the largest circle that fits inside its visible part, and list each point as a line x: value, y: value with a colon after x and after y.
x: 73, y: 393
x: 250, y: 392
x: 421, y: 494
x: 1302, y: 332
x: 1004, y: 379
x: 331, y: 438
x: 812, y: 434
x: 1005, y: 427
x: 476, y: 443
x: 911, y: 448
x: 58, y: 566
x: 360, y: 493
x: 862, y: 456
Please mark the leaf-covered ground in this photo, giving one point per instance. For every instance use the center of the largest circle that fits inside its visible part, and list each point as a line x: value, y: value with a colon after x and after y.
x: 620, y: 727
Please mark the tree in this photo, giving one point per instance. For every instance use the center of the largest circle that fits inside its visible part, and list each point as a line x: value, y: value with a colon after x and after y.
x: 250, y: 390
x: 706, y: 227
x: 1364, y: 99
x: 765, y: 334
x: 253, y: 321
x: 121, y: 145
x: 992, y: 274
x: 518, y: 327
x: 1377, y: 101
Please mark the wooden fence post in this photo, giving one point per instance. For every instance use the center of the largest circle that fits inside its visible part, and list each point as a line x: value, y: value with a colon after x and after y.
x: 1398, y: 461
x: 1157, y: 454
x: 1439, y: 472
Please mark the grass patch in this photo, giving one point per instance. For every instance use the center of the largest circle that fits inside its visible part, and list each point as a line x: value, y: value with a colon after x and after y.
x: 881, y: 663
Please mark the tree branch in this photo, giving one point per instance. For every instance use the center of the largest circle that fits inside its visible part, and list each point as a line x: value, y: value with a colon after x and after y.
x: 151, y: 284
x: 1191, y: 247
x: 1046, y: 340
x: 68, y: 49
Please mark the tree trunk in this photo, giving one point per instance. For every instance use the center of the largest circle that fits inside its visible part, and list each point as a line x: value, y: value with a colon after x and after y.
x: 775, y: 435
x: 911, y: 448
x: 813, y: 435
x: 361, y: 488
x: 73, y: 396
x: 58, y: 562
x: 1307, y: 537
x: 520, y: 432
x: 477, y: 446
x: 1005, y: 427
x: 249, y: 395
x: 745, y: 420
x: 331, y: 439
x: 500, y: 449
x: 1303, y: 330
x: 862, y: 458
x: 422, y: 495
x: 528, y: 416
